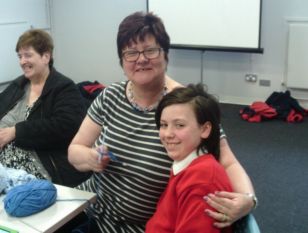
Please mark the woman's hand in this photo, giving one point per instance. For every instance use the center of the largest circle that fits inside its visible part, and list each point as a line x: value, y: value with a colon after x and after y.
x: 6, y: 135
x: 97, y: 161
x: 229, y: 207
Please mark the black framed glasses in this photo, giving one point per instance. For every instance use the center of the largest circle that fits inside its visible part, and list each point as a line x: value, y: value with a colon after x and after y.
x: 133, y: 55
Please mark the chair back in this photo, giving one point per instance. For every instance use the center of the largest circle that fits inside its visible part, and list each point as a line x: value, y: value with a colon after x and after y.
x: 247, y: 224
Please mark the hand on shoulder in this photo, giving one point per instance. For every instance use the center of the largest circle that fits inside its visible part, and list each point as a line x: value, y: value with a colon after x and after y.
x: 229, y: 206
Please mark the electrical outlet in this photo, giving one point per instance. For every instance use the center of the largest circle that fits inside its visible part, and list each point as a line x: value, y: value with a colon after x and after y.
x: 265, y: 83
x: 251, y: 78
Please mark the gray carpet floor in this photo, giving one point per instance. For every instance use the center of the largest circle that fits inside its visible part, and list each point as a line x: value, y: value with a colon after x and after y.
x: 275, y: 155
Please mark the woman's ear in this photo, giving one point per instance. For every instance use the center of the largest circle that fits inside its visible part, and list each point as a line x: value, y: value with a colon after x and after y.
x: 46, y: 57
x: 206, y: 129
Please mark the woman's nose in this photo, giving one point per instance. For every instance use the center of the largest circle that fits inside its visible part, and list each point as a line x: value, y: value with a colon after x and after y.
x: 22, y: 60
x: 142, y: 58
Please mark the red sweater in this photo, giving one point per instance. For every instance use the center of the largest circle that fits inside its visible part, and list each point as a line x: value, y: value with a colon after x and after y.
x: 181, y: 206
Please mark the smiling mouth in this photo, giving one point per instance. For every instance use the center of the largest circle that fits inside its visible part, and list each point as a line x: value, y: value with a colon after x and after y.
x: 27, y: 67
x: 171, y: 145
x: 143, y: 69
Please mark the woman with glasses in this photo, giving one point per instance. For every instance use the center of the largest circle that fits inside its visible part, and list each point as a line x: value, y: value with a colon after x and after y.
x: 122, y: 119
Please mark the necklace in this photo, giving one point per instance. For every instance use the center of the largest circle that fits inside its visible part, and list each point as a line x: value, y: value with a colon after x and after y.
x: 136, y: 106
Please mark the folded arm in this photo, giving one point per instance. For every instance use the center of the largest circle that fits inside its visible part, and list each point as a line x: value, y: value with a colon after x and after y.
x: 53, y: 121
x: 6, y: 135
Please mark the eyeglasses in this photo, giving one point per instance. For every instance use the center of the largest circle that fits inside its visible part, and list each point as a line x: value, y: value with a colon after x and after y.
x: 133, y: 55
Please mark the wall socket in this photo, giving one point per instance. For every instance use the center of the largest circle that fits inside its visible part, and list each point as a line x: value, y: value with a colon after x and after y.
x: 265, y: 83
x: 251, y: 78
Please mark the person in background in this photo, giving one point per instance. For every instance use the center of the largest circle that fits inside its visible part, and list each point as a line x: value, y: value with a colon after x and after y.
x: 188, y: 121
x: 122, y: 119
x: 40, y: 112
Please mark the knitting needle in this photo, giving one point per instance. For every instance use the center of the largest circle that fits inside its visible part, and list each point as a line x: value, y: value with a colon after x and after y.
x: 102, y: 153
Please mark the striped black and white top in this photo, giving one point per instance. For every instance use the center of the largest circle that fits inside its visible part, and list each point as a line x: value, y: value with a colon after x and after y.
x: 128, y: 189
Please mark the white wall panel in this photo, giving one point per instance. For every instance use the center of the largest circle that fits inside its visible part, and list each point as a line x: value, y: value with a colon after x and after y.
x: 297, y: 60
x: 16, y: 16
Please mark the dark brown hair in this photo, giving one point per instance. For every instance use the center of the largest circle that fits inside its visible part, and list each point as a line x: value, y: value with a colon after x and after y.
x: 137, y: 26
x: 40, y: 40
x: 205, y: 107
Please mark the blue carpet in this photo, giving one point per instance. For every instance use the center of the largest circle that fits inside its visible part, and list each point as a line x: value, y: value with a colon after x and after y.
x: 275, y: 155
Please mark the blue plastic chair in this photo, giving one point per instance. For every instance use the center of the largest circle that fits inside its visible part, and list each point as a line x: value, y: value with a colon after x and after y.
x: 247, y: 224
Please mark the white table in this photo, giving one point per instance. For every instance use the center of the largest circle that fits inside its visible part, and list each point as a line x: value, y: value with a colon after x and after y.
x: 53, y: 217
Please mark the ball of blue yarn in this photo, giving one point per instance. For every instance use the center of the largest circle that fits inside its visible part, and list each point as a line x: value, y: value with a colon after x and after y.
x: 30, y: 198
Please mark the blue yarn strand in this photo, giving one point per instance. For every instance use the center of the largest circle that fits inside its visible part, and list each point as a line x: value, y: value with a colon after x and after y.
x: 30, y: 198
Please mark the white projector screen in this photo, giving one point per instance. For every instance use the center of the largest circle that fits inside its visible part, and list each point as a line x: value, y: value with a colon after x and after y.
x: 228, y: 25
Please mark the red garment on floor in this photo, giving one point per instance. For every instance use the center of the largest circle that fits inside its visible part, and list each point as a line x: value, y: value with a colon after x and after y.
x: 257, y: 112
x: 294, y: 117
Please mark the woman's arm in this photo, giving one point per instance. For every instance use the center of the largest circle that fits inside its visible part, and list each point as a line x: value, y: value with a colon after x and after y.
x: 54, y: 119
x: 237, y: 204
x: 81, y: 153
x: 239, y: 179
x: 6, y: 135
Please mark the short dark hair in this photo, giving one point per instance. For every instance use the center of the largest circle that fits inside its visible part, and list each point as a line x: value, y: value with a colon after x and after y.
x: 39, y: 39
x: 137, y: 26
x: 205, y: 107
